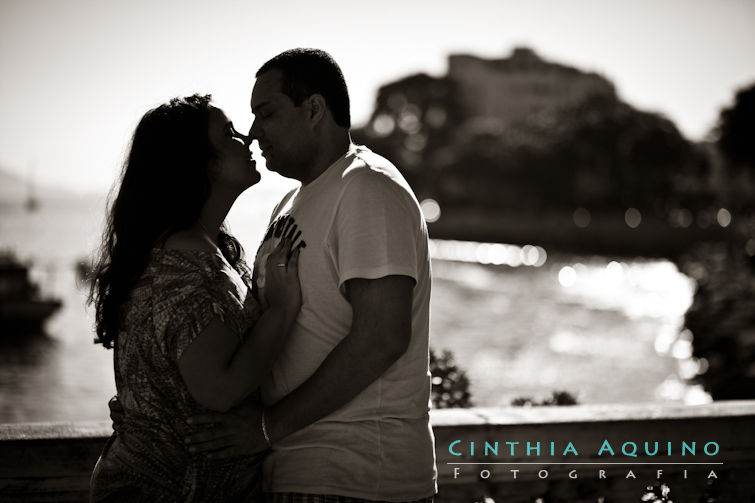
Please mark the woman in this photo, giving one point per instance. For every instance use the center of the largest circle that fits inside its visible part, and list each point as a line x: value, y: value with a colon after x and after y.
x: 173, y: 297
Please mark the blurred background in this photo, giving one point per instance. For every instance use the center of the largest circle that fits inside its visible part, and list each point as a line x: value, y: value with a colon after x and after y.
x: 586, y: 168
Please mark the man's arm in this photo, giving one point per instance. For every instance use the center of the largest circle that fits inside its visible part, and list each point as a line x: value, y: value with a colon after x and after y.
x: 379, y: 335
x: 381, y: 329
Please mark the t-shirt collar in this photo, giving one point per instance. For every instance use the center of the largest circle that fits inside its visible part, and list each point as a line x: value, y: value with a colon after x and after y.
x: 351, y: 151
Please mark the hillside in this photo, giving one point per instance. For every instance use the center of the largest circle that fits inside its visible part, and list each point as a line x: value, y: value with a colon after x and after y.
x: 504, y: 144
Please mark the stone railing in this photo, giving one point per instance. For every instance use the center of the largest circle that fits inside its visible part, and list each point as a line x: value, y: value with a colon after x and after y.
x: 585, y: 454
x: 582, y: 468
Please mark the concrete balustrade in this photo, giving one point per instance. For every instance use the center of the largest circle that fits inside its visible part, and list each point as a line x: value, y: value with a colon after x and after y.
x: 702, y: 450
x: 727, y: 428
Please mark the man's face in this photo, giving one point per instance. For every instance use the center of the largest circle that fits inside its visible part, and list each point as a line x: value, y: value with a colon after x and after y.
x: 280, y: 127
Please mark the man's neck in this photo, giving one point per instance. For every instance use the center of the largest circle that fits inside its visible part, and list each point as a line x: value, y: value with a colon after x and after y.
x: 329, y: 153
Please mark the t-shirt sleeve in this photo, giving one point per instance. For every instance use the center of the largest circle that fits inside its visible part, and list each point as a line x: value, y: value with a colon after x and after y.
x: 190, y: 316
x: 375, y: 230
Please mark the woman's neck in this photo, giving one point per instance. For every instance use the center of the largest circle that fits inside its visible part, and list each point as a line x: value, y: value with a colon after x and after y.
x: 203, y: 234
x: 214, y: 212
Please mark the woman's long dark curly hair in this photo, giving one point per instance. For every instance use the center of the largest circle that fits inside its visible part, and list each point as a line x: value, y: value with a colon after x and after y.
x: 164, y: 185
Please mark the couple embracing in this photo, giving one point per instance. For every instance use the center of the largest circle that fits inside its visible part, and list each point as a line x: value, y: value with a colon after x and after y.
x: 302, y: 379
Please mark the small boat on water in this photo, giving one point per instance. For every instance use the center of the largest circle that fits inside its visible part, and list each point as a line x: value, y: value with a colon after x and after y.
x: 84, y: 271
x: 22, y: 309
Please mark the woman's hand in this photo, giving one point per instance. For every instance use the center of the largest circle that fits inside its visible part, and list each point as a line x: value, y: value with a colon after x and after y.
x: 217, y: 371
x: 282, y: 289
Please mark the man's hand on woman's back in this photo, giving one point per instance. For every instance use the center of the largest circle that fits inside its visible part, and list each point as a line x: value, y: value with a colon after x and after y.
x: 117, y: 415
x: 237, y: 432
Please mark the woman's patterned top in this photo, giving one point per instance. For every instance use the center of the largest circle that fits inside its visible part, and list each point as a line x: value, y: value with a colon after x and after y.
x: 179, y: 294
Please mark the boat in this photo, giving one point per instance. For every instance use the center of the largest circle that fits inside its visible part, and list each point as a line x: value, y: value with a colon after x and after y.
x: 23, y: 309
x: 84, y: 271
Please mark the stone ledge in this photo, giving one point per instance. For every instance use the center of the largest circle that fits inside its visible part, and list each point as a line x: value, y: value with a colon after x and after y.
x: 502, y: 416
x: 56, y: 431
x: 53, y: 461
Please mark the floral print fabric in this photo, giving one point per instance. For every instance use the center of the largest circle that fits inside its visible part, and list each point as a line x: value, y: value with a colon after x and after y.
x: 177, y: 297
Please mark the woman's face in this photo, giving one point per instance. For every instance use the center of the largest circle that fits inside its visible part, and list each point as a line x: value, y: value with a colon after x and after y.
x: 233, y: 167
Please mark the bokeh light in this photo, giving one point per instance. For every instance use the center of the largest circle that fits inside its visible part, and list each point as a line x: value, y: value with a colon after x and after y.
x: 488, y: 253
x: 614, y: 273
x: 567, y: 276
x: 723, y: 217
x: 581, y: 217
x: 409, y: 121
x: 430, y: 209
x: 750, y: 247
x: 383, y: 125
x: 633, y: 217
x: 681, y: 217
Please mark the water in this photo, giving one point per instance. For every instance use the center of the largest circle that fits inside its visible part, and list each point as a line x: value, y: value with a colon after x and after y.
x: 602, y: 329
x: 611, y: 336
x: 61, y: 376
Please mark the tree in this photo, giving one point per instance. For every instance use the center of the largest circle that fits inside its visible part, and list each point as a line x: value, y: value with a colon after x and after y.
x: 736, y: 130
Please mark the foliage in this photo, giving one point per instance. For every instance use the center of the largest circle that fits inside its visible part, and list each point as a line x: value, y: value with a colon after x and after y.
x: 735, y: 129
x: 613, y: 154
x: 659, y: 493
x: 722, y: 319
x: 598, y: 152
x: 735, y: 146
x: 450, y: 385
x: 558, y: 397
x: 722, y: 315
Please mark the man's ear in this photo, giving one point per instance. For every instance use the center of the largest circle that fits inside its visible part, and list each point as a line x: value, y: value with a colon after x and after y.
x: 317, y: 108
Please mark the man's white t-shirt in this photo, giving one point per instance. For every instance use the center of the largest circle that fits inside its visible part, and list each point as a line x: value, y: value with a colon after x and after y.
x: 359, y: 219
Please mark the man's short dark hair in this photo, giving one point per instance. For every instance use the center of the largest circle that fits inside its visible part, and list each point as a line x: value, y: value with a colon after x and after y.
x: 312, y: 71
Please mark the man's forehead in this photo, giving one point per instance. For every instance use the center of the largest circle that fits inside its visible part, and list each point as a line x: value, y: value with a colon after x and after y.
x: 267, y: 89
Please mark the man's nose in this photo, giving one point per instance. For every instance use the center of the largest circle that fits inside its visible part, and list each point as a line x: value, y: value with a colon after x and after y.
x: 254, y: 132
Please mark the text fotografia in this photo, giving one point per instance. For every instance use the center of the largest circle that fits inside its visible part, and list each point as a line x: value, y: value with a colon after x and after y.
x: 607, y: 449
x: 573, y: 474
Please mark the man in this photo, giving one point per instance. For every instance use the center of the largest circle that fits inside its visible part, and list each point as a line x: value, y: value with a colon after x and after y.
x: 347, y: 402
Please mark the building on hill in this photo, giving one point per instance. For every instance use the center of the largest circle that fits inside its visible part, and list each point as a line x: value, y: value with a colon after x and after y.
x: 515, y: 89
x: 487, y: 96
x: 507, y: 140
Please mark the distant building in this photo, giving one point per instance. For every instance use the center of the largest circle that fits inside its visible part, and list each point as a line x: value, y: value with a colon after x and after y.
x: 520, y: 133
x: 519, y: 87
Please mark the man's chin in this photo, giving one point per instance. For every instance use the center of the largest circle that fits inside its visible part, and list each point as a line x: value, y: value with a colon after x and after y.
x: 270, y: 166
x: 281, y: 170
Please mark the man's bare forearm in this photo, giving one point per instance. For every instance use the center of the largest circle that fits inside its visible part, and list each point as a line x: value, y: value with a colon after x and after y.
x: 380, y: 335
x: 343, y: 374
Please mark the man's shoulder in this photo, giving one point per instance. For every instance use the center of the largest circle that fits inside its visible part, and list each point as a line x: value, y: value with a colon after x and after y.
x: 283, y: 202
x: 365, y: 160
x: 368, y: 169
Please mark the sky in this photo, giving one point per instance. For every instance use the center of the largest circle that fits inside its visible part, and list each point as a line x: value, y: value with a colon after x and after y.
x: 76, y: 75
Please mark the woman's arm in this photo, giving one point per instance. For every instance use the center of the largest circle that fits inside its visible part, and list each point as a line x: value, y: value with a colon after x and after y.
x: 380, y: 334
x: 218, y: 371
